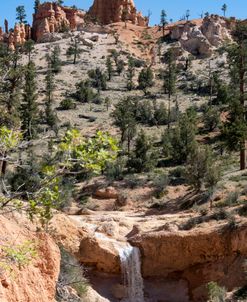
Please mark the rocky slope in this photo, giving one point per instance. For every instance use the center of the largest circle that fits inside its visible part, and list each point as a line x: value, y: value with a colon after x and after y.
x: 36, y: 280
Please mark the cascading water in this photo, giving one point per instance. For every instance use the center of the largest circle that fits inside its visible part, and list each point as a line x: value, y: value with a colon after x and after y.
x: 131, y: 269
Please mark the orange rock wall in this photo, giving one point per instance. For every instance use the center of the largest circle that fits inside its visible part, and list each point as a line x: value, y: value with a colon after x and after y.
x: 51, y: 18
x: 111, y: 11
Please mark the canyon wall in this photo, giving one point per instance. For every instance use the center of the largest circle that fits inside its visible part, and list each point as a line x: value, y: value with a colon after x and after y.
x: 111, y: 11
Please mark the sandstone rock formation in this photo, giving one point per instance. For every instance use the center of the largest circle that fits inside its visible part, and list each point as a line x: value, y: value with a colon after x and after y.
x: 195, y: 258
x: 111, y: 11
x: 35, y: 281
x: 201, y: 36
x: 51, y: 18
x: 18, y: 36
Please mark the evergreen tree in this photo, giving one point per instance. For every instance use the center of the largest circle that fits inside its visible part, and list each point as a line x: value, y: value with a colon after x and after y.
x: 130, y: 74
x: 28, y: 48
x: 224, y: 9
x: 12, y: 73
x: 74, y: 50
x: 109, y: 68
x: 98, y: 79
x: 84, y: 92
x: 21, y: 14
x: 145, y: 79
x: 235, y: 129
x: 50, y: 115
x: 120, y: 66
x: 36, y: 6
x: 142, y: 158
x: 187, y: 14
x: 170, y: 77
x: 124, y: 119
x: 202, y: 169
x: 29, y: 106
x: 55, y: 60
x: 163, y: 21
x: 183, y: 138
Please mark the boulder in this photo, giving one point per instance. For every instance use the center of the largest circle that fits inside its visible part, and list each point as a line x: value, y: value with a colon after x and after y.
x: 106, y: 193
x: 99, y: 252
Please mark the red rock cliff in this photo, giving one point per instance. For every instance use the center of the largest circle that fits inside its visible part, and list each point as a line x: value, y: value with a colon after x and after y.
x: 111, y: 11
x: 52, y: 17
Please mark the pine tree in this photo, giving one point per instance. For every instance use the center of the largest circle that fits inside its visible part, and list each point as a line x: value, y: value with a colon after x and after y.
x: 163, y: 21
x: 130, y: 74
x: 120, y: 66
x: 124, y: 118
x: 170, y: 77
x: 29, y: 106
x: 98, y: 79
x: 142, y: 158
x: 109, y: 68
x: 55, y: 60
x: 224, y: 9
x: 28, y: 48
x: 145, y: 79
x: 21, y: 14
x: 36, y: 6
x: 50, y: 115
x: 183, y: 138
x: 187, y: 14
x: 12, y: 73
x: 235, y: 129
x: 74, y: 50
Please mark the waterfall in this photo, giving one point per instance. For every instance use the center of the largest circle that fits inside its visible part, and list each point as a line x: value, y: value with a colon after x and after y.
x: 131, y: 269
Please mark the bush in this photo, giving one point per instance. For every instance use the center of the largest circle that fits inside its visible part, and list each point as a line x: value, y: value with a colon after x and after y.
x: 71, y: 274
x: 160, y: 183
x: 211, y: 118
x: 232, y: 198
x: 115, y: 170
x: 216, y: 293
x: 201, y: 169
x: 84, y: 92
x: 67, y: 104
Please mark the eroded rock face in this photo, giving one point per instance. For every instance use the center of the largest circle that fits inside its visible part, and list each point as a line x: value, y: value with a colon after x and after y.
x: 35, y: 281
x: 199, y: 38
x: 51, y: 18
x: 111, y: 11
x: 18, y: 36
x: 196, y: 257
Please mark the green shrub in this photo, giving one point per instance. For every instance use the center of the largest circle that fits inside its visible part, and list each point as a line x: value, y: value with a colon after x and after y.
x: 71, y: 274
x: 216, y: 293
x: 232, y: 198
x: 67, y: 104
